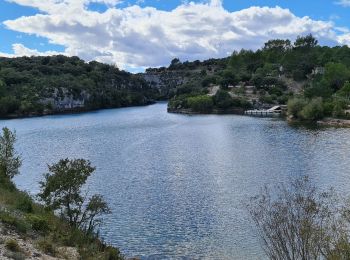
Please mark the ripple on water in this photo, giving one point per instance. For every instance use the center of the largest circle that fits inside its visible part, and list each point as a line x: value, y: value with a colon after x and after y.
x: 176, y: 183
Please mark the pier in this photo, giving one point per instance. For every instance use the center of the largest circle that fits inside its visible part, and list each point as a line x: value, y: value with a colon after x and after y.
x: 275, y: 111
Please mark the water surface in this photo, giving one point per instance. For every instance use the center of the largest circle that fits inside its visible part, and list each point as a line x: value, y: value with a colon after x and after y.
x: 176, y: 183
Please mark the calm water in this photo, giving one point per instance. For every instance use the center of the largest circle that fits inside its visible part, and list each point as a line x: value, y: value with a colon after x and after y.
x: 176, y: 183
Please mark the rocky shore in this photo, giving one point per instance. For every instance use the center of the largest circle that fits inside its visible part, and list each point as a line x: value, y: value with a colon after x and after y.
x: 333, y: 122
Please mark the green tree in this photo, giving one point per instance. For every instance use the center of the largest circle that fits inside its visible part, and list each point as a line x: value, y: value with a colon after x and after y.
x: 307, y: 41
x: 336, y: 74
x: 313, y: 110
x: 202, y: 104
x: 222, y: 99
x: 2, y: 88
x: 10, y: 161
x: 295, y: 106
x: 61, y: 191
x: 345, y: 90
x: 277, y: 45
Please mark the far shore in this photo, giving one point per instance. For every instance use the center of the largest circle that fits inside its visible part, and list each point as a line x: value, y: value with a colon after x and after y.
x: 73, y: 111
x: 334, y: 122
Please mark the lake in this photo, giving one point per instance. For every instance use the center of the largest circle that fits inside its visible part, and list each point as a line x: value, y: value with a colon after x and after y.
x: 176, y: 183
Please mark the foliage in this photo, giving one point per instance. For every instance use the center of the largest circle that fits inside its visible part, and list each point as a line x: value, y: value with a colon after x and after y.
x: 29, y: 85
x: 336, y: 74
x: 9, y: 160
x: 345, y: 91
x: 295, y: 106
x: 276, y: 69
x: 223, y: 100
x: 12, y: 245
x: 297, y: 221
x: 313, y: 110
x: 39, y: 223
x: 47, y: 227
x: 307, y: 41
x: 62, y: 190
x: 47, y: 247
x: 304, y: 109
x: 201, y: 104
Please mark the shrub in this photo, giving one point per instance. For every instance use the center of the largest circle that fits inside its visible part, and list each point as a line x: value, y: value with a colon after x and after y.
x: 38, y: 223
x: 12, y: 245
x: 295, y: 106
x: 112, y: 253
x: 298, y: 221
x: 313, y: 110
x: 25, y: 203
x: 222, y: 99
x: 19, y: 224
x: 201, y: 104
x: 47, y: 247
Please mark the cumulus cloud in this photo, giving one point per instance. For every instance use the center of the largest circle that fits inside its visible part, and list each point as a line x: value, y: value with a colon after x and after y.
x: 139, y: 37
x: 20, y: 50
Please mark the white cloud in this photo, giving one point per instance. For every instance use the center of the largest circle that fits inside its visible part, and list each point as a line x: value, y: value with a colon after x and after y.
x: 20, y: 50
x: 140, y: 37
x: 344, y: 39
x: 345, y: 3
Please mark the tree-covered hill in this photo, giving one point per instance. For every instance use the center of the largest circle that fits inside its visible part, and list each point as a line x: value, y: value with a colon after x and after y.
x: 281, y: 72
x: 39, y: 85
x: 278, y: 72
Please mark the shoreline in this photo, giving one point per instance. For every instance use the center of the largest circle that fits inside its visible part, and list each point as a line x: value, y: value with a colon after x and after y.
x: 326, y: 122
x: 235, y: 111
x: 67, y: 112
x: 334, y: 122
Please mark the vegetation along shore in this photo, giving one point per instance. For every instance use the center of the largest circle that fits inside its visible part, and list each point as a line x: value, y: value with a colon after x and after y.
x: 63, y: 225
x: 312, y: 80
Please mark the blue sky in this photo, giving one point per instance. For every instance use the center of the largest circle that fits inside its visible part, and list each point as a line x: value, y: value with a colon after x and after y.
x: 30, y: 39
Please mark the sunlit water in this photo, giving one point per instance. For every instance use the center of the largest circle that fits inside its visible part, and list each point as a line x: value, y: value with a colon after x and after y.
x: 177, y: 183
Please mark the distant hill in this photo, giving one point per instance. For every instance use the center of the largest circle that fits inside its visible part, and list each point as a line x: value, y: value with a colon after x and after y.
x: 277, y: 73
x: 42, y: 85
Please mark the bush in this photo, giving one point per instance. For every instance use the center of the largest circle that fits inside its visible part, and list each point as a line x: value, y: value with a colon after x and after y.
x: 38, y: 223
x: 12, y: 245
x: 47, y: 247
x: 295, y: 106
x: 25, y: 203
x: 298, y: 221
x: 203, y: 104
x: 266, y: 99
x: 112, y: 253
x: 222, y: 99
x: 19, y: 224
x: 313, y: 110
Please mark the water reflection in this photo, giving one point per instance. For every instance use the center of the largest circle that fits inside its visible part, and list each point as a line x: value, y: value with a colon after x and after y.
x: 176, y: 183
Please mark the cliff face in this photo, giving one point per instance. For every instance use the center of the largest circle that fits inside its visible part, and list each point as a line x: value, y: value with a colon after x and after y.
x: 167, y: 80
x: 43, y: 85
x: 164, y: 81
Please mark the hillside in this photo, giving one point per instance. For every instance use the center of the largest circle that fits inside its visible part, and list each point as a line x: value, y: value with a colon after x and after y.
x: 29, y: 231
x: 281, y: 72
x: 44, y: 85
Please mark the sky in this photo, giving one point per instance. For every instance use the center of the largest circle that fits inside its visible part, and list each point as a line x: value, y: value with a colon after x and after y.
x: 136, y: 34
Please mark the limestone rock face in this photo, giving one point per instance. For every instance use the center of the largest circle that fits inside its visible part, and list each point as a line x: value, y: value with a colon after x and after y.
x: 63, y: 100
x: 164, y: 81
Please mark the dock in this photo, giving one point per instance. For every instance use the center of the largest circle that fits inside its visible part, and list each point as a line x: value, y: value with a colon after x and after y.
x: 275, y: 111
